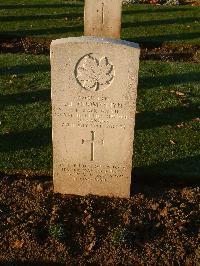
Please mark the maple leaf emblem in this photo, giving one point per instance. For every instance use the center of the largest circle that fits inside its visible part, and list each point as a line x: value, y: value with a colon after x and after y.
x: 93, y: 74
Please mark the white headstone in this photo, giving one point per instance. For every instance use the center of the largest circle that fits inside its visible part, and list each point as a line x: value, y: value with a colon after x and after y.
x: 94, y: 88
x: 103, y: 18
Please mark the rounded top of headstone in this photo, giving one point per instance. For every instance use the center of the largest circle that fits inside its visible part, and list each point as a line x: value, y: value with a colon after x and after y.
x: 91, y: 39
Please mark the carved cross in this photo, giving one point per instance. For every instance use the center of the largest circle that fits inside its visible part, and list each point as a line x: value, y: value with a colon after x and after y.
x: 102, y: 18
x: 92, y: 142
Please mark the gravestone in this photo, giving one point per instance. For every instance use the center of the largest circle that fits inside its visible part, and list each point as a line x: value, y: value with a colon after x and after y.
x: 102, y: 18
x: 94, y: 87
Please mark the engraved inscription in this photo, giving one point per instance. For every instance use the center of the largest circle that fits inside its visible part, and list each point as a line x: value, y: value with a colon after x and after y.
x: 102, y: 13
x: 94, y: 73
x: 95, y: 112
x: 92, y: 141
x: 104, y: 173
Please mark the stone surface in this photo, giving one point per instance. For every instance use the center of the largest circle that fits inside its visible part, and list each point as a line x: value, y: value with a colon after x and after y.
x: 103, y: 18
x: 94, y: 85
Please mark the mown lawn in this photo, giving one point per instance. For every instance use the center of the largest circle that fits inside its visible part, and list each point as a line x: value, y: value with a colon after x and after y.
x: 141, y: 23
x: 167, y: 137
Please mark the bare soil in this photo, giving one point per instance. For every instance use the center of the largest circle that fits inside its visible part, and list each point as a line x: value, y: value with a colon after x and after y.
x: 180, y: 53
x: 158, y: 225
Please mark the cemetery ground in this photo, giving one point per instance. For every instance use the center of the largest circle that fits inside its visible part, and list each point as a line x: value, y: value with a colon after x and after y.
x: 159, y: 224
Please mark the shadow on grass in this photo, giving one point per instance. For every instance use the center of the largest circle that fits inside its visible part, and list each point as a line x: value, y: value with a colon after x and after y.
x: 168, y: 80
x: 156, y: 39
x: 159, y: 22
x: 160, y: 39
x: 169, y: 116
x: 183, y: 171
x: 25, y: 97
x: 44, y: 31
x: 27, y: 139
x: 41, y: 17
x: 24, y: 69
x: 128, y: 24
x: 156, y: 10
x: 20, y: 6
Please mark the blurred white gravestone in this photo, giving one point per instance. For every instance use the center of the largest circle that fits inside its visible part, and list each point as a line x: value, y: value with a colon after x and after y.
x: 102, y: 18
x: 94, y: 89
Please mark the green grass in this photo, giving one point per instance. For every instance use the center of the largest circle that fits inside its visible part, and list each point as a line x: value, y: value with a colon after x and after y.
x: 167, y: 137
x: 141, y: 23
x: 161, y: 24
x: 25, y: 112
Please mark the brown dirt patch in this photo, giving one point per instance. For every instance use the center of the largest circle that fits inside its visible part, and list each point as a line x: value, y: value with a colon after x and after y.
x: 24, y: 45
x: 158, y: 225
x: 183, y: 53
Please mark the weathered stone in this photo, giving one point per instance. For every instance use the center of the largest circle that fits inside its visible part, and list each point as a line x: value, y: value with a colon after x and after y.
x: 94, y: 85
x: 103, y: 18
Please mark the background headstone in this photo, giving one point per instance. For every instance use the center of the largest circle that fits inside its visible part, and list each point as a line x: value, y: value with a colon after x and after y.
x: 103, y: 18
x: 94, y: 84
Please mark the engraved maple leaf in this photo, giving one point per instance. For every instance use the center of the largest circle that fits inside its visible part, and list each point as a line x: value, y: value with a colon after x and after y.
x: 94, y: 74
